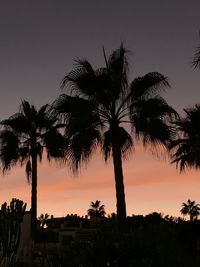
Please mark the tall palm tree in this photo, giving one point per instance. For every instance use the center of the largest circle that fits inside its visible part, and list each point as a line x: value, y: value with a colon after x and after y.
x: 185, y: 150
x: 96, y: 209
x: 22, y: 139
x: 190, y: 208
x: 99, y: 105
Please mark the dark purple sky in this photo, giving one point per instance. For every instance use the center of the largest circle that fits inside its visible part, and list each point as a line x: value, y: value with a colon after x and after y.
x: 39, y: 41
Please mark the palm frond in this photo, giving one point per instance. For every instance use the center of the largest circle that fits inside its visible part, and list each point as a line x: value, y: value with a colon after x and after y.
x: 118, y: 64
x: 76, y: 113
x: 81, y: 146
x: 185, y: 149
x: 155, y: 107
x: 153, y: 131
x: 185, y: 155
x: 27, y: 110
x: 9, y: 153
x: 84, y: 64
x: 196, y: 58
x: 18, y: 123
x: 147, y: 85
x: 150, y: 120
x: 82, y: 80
x: 44, y: 119
x: 68, y: 106
x: 24, y: 152
x: 118, y: 72
x: 83, y: 69
x: 55, y: 144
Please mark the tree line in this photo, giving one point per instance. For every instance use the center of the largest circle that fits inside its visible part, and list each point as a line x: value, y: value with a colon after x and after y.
x: 94, y: 112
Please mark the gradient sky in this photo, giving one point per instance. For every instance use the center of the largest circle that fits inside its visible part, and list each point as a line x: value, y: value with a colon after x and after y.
x: 39, y: 41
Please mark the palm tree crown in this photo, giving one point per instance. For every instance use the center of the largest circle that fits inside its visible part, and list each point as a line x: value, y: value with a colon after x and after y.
x: 190, y: 208
x: 185, y: 150
x: 22, y: 140
x: 96, y: 209
x: 101, y: 102
x: 43, y: 219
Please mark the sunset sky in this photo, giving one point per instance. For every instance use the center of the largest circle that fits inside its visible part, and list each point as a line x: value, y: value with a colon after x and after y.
x: 39, y: 41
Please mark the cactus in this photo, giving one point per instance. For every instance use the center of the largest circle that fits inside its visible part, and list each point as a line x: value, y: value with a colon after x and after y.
x: 10, y: 230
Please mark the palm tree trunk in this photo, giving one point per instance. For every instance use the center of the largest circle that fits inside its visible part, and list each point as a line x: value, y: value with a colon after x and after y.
x: 34, y: 192
x: 119, y: 184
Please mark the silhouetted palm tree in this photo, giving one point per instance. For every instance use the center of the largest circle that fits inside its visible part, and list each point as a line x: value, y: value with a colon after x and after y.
x: 190, y: 208
x: 185, y: 150
x: 22, y: 140
x: 101, y: 102
x: 43, y: 219
x: 96, y: 209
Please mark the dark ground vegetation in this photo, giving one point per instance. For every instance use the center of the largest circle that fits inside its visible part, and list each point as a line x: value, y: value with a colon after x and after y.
x: 145, y: 241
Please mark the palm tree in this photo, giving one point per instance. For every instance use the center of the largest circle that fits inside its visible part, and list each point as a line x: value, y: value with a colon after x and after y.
x: 190, y: 208
x: 22, y: 139
x: 99, y: 105
x: 185, y: 150
x: 43, y: 219
x: 96, y: 209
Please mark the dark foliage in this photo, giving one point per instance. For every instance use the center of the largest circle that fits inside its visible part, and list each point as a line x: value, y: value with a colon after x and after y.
x: 185, y: 150
x: 152, y: 240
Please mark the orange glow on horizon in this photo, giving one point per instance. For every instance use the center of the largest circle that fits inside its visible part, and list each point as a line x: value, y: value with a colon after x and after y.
x: 150, y: 185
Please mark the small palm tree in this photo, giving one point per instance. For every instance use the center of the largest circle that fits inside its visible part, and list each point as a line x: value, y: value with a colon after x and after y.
x: 191, y: 208
x: 185, y: 150
x: 101, y: 103
x: 22, y: 140
x: 43, y: 219
x: 96, y: 209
